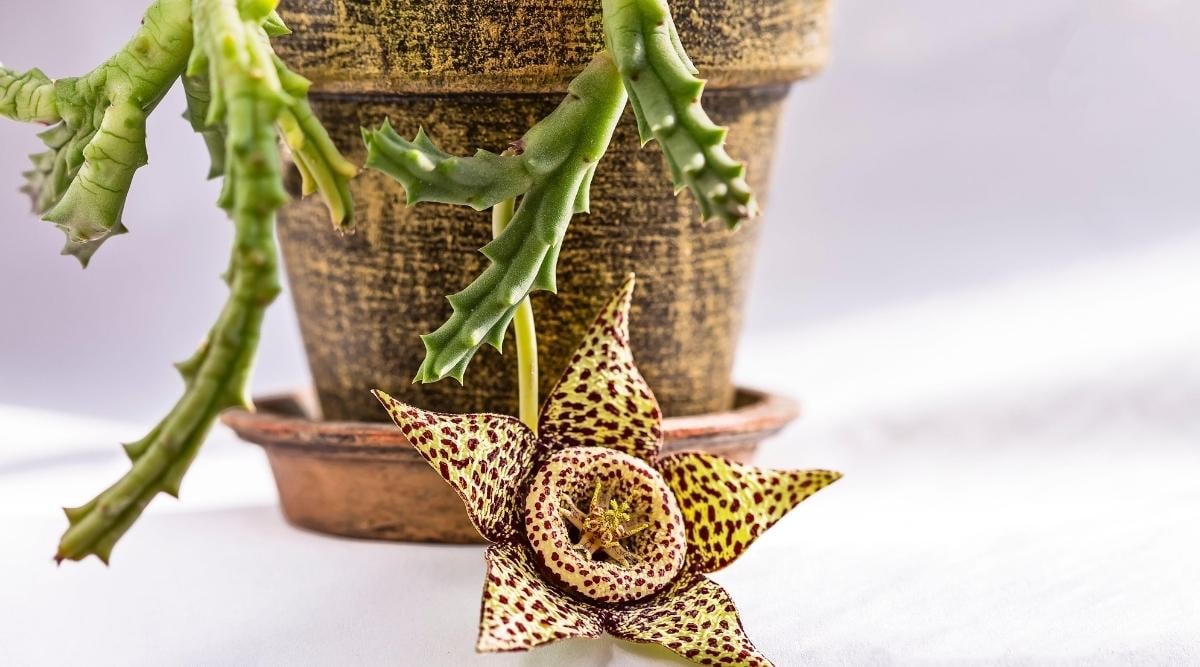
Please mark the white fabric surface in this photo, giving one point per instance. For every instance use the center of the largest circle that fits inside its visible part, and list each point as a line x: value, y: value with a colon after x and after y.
x: 1022, y: 487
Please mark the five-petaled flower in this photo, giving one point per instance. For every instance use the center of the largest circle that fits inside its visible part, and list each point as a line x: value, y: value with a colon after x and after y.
x: 592, y: 530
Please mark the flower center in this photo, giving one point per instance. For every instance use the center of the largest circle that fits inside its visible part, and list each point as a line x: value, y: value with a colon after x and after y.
x: 604, y: 524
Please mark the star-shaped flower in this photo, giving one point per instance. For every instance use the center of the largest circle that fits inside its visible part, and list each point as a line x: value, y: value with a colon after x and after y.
x: 592, y: 530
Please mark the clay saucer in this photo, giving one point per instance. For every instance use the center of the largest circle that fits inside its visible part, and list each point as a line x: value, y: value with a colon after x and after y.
x: 363, y: 479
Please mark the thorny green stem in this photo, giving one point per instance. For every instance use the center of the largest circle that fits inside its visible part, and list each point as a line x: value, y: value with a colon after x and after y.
x: 665, y: 95
x: 553, y: 173
x: 216, y: 376
x: 525, y: 332
x: 238, y: 93
x: 81, y: 183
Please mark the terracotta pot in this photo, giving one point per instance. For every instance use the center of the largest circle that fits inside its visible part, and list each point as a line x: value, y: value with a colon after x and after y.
x: 476, y: 74
x: 362, y: 479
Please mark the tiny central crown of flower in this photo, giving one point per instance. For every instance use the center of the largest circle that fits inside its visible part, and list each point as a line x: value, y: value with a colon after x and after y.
x: 603, y: 527
x: 604, y: 524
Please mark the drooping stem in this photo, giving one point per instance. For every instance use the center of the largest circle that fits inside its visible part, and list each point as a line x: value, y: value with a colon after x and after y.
x: 81, y: 181
x: 665, y: 94
x: 243, y: 99
x: 231, y: 52
x: 553, y: 175
x: 525, y: 332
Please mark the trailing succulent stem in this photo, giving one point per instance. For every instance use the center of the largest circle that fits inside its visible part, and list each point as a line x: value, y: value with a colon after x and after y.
x: 665, y: 95
x: 81, y: 181
x: 240, y: 97
x: 322, y: 167
x: 551, y: 170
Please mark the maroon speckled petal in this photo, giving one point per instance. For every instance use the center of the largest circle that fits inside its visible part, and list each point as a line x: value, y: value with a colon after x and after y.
x: 520, y: 611
x: 485, y: 458
x: 695, y: 618
x: 602, y: 400
x: 727, y: 505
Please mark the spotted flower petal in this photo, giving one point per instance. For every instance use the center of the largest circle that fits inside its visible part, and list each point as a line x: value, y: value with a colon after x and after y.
x: 521, y: 612
x: 485, y: 458
x: 697, y: 620
x: 727, y: 505
x: 602, y: 400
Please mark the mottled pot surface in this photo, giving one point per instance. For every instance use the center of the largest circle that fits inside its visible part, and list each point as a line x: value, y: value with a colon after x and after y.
x: 530, y: 46
x: 363, y: 479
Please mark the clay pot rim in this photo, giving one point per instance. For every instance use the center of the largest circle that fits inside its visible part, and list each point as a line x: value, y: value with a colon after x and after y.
x: 284, y: 422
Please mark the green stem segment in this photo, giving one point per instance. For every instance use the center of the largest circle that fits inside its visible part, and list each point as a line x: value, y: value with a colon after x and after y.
x: 665, y: 94
x: 552, y: 170
x: 241, y: 97
x: 81, y: 183
x: 28, y: 97
x: 525, y: 332
x: 216, y: 378
x: 230, y: 55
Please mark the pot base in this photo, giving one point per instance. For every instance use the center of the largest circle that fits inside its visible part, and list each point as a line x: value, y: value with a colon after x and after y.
x: 364, y: 480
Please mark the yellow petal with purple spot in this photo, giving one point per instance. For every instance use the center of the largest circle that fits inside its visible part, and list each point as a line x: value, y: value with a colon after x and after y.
x: 727, y: 505
x: 520, y: 611
x: 602, y: 400
x: 696, y: 619
x: 486, y: 459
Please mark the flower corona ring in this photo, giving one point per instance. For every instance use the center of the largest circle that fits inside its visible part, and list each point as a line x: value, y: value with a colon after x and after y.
x: 593, y: 530
x: 605, y: 524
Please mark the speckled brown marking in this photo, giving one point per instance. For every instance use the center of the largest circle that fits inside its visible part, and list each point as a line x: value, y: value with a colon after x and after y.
x: 696, y: 619
x: 602, y: 400
x: 520, y: 612
x: 466, y: 450
x: 728, y: 505
x: 700, y: 511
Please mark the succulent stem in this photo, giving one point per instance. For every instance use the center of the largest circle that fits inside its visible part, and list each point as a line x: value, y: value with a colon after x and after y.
x: 27, y: 97
x: 241, y: 98
x: 231, y: 53
x: 665, y: 95
x: 553, y: 173
x: 81, y: 182
x: 322, y: 167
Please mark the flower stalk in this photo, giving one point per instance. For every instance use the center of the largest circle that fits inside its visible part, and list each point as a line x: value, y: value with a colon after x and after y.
x: 525, y: 331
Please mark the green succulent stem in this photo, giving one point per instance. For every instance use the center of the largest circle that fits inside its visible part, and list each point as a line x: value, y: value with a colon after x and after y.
x: 551, y: 169
x: 81, y: 182
x: 28, y: 97
x: 322, y: 168
x: 215, y: 376
x: 525, y: 331
x: 245, y: 101
x: 666, y: 98
x: 242, y: 99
